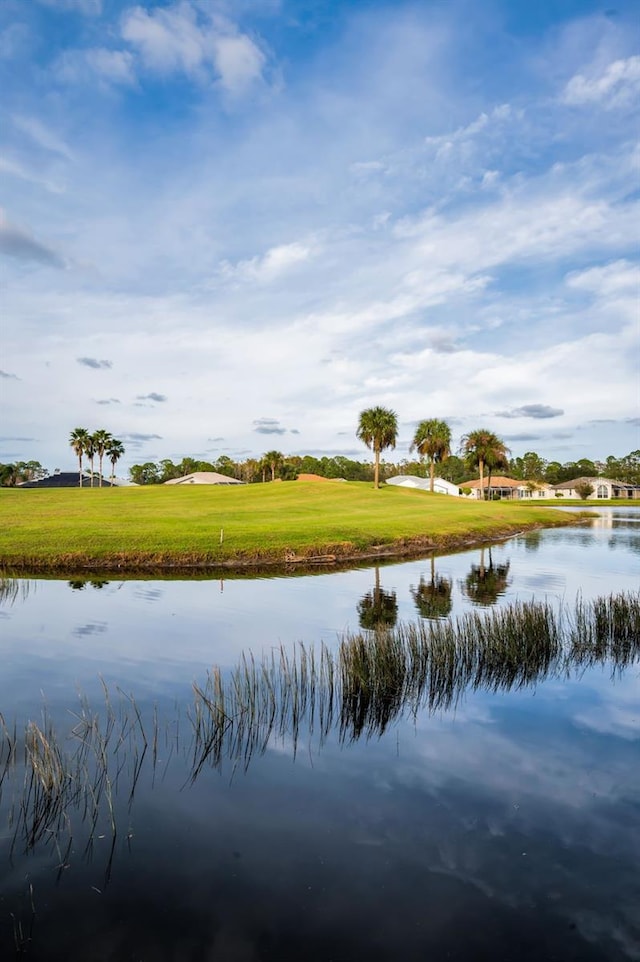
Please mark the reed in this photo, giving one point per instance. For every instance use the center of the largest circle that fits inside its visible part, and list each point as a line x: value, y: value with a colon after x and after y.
x: 371, y: 681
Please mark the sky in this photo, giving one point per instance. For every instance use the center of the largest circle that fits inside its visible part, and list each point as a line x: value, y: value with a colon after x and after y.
x: 229, y: 227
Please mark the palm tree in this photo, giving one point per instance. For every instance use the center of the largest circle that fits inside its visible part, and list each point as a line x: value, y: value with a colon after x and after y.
x: 79, y: 440
x: 433, y: 440
x: 378, y: 429
x: 483, y: 447
x: 90, y: 451
x: 101, y: 439
x: 114, y: 451
x: 273, y: 460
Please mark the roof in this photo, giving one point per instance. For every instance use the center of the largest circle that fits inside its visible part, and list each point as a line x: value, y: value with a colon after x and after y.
x: 316, y: 477
x: 204, y: 477
x: 497, y: 481
x: 616, y: 484
x: 67, y: 479
x: 440, y: 486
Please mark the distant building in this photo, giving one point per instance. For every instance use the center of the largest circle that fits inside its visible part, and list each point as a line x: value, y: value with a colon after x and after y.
x: 603, y: 488
x: 204, y: 477
x: 67, y: 479
x: 440, y: 486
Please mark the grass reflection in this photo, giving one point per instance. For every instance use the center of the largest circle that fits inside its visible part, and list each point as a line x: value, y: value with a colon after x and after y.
x: 52, y: 786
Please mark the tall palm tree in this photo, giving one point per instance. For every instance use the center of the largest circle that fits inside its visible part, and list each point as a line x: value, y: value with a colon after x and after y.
x: 483, y: 448
x: 101, y: 439
x: 79, y: 439
x: 114, y: 451
x: 90, y: 451
x: 273, y: 460
x: 433, y: 440
x: 378, y: 429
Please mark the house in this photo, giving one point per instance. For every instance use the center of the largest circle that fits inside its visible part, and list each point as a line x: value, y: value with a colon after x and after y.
x: 603, y: 488
x: 204, y: 477
x: 440, y: 486
x: 67, y: 479
x: 534, y: 489
x: 501, y: 487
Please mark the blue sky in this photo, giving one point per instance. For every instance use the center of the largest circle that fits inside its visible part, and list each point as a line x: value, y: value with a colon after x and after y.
x: 229, y: 227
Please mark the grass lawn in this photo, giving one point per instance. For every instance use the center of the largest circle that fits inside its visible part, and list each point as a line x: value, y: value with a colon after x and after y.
x: 155, y: 525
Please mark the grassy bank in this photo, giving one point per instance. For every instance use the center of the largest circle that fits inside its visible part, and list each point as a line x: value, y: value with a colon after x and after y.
x: 257, y: 524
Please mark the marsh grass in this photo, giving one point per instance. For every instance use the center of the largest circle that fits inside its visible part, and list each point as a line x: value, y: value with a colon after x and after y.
x: 374, y: 678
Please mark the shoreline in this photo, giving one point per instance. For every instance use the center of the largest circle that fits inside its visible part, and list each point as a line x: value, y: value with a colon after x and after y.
x: 318, y: 559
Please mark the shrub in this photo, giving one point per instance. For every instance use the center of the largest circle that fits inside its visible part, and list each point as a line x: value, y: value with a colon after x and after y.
x: 584, y: 489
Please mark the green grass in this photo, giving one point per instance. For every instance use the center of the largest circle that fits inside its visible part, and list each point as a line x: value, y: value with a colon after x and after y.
x: 264, y: 523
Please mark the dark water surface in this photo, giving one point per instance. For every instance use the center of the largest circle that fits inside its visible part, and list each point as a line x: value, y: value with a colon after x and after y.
x: 503, y: 824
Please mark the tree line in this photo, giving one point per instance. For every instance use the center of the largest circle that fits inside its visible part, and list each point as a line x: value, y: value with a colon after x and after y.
x: 479, y: 451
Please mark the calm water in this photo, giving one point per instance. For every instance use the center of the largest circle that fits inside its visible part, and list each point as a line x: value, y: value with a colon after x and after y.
x: 504, y: 827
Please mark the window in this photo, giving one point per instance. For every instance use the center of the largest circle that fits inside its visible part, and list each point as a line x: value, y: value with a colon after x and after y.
x: 602, y: 491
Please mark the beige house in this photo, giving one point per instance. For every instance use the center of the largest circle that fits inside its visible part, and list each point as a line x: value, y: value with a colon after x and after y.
x: 204, y: 477
x: 603, y: 488
x: 501, y: 487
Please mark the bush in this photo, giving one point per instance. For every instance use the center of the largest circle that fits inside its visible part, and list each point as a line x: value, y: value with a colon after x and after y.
x: 584, y: 489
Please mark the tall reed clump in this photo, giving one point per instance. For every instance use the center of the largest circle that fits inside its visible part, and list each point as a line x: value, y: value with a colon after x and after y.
x: 373, y: 679
x: 379, y: 675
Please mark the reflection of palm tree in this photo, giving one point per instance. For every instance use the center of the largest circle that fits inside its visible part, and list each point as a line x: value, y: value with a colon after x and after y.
x: 378, y: 608
x: 433, y: 598
x: 484, y: 585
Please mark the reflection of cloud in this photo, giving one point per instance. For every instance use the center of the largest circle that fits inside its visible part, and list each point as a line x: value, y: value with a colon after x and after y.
x: 92, y: 628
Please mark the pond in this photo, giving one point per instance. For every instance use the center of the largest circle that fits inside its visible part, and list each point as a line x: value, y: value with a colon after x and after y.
x: 190, y: 772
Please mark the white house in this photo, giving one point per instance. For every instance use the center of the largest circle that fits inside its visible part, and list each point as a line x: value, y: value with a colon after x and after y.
x: 204, y: 477
x: 440, y: 486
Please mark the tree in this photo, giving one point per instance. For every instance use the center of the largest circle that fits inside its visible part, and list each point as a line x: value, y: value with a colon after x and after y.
x: 90, y: 451
x: 273, y: 460
x: 114, y: 451
x: 483, y: 447
x: 79, y: 441
x: 584, y: 489
x: 9, y: 475
x: 100, y: 440
x: 433, y: 441
x: 378, y: 429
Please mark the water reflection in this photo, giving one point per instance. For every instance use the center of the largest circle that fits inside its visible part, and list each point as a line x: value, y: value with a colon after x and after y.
x: 486, y: 582
x: 79, y: 584
x: 433, y: 598
x: 374, y: 680
x: 378, y: 607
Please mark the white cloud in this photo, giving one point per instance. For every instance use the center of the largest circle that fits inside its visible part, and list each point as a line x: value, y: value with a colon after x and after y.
x: 42, y: 135
x: 618, y: 85
x: 618, y: 277
x: 270, y: 266
x: 16, y: 169
x: 113, y: 66
x: 176, y: 39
